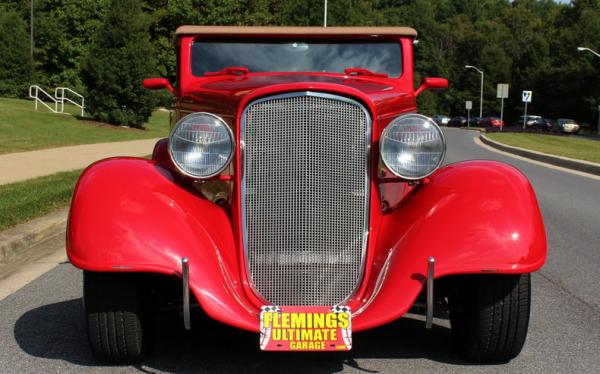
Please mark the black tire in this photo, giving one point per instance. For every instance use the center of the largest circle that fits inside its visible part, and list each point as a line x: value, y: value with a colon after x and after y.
x: 114, y: 317
x: 490, y: 316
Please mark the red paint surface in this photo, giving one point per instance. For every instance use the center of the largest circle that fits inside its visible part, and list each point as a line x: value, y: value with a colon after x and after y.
x: 133, y: 215
x: 158, y: 83
x: 137, y: 215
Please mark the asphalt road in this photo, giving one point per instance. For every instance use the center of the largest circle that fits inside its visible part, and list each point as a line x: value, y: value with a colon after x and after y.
x: 42, y: 324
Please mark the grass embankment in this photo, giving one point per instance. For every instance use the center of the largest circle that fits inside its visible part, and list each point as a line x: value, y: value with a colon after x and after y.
x: 22, y: 201
x: 566, y: 146
x: 22, y: 128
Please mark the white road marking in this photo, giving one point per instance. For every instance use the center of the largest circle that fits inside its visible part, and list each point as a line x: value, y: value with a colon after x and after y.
x: 555, y: 167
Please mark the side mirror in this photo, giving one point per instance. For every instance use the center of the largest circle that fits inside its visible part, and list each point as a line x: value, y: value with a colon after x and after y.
x: 432, y: 84
x: 157, y: 84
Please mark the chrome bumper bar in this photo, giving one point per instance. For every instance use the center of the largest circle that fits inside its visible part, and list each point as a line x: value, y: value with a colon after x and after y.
x: 185, y: 277
x: 429, y: 316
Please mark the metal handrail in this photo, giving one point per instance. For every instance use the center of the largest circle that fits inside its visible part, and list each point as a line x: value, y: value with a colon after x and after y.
x: 62, y: 98
x: 37, y: 89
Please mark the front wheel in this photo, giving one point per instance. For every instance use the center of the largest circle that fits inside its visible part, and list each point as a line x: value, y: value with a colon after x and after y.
x: 490, y: 316
x: 114, y: 314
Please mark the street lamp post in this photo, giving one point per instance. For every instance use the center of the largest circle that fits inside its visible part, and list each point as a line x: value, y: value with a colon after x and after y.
x: 31, y: 28
x: 325, y: 14
x: 582, y: 49
x: 480, y: 91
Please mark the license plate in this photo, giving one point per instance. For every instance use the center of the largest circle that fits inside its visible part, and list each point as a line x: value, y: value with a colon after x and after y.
x: 305, y: 328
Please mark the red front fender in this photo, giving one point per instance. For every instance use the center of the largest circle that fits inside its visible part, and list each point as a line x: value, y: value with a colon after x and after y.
x: 472, y: 217
x: 129, y: 215
x: 133, y: 215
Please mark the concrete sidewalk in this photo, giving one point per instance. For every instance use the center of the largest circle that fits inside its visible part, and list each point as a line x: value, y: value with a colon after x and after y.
x: 15, y: 167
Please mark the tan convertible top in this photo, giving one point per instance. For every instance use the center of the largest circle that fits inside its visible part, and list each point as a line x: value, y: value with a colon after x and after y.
x: 284, y: 30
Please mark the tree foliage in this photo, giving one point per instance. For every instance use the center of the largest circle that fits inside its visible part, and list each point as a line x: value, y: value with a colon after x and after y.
x: 119, y: 57
x: 16, y: 64
x: 530, y: 44
x: 63, y: 32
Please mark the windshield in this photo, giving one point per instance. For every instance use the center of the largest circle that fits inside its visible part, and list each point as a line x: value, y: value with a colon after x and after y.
x: 297, y: 56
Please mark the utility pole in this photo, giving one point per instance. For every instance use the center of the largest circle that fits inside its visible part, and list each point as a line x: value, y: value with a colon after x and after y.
x: 502, y: 93
x: 468, y: 107
x: 526, y: 98
x: 480, y: 90
x: 581, y: 49
x: 31, y: 27
x: 325, y: 15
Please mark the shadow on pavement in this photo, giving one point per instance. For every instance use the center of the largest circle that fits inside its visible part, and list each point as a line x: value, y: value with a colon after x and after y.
x: 57, y: 331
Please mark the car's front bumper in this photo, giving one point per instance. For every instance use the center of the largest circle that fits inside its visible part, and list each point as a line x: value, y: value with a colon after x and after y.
x: 133, y: 215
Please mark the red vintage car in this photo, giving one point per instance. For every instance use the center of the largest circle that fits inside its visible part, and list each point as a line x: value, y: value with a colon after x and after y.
x: 492, y: 122
x: 300, y: 196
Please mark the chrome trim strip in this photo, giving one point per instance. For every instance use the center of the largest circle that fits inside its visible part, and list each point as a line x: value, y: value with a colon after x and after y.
x: 185, y: 277
x: 429, y: 317
x: 368, y: 136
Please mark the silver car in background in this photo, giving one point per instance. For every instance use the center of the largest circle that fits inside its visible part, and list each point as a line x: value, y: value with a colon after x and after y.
x: 567, y: 125
x: 441, y: 119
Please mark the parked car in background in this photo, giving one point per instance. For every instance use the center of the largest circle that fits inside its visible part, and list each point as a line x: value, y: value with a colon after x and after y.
x: 530, y: 120
x: 545, y: 124
x: 458, y: 121
x: 567, y: 125
x: 537, y: 122
x: 475, y: 121
x: 492, y: 122
x: 441, y: 119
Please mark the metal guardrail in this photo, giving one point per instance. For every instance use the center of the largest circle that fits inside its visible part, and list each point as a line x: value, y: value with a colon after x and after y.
x: 34, y: 93
x: 61, y: 94
x: 62, y: 98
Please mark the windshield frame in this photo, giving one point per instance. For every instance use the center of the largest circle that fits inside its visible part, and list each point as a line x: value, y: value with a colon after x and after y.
x: 306, y: 39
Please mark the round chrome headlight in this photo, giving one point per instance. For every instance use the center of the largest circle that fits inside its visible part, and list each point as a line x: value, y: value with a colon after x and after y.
x: 412, y: 146
x: 201, y: 145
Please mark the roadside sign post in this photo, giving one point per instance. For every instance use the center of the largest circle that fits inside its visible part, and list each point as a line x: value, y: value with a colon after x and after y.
x: 502, y: 93
x: 468, y: 106
x: 526, y: 98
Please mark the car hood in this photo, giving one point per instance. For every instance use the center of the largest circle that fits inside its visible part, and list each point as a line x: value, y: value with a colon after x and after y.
x: 223, y: 95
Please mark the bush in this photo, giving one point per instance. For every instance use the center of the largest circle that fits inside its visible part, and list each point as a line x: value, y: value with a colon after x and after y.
x: 16, y: 64
x: 119, y: 57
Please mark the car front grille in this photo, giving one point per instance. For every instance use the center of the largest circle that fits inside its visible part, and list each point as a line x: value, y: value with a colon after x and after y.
x: 305, y: 195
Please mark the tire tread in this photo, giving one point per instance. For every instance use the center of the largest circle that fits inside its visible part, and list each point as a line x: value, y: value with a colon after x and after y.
x: 495, y: 317
x: 114, y: 317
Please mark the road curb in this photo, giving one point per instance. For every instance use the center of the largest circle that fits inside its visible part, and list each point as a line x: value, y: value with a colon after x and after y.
x: 21, y: 237
x: 472, y: 129
x: 565, y: 162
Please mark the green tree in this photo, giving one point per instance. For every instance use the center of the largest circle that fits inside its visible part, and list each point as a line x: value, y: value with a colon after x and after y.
x: 119, y: 57
x: 63, y: 32
x: 529, y: 44
x: 16, y: 65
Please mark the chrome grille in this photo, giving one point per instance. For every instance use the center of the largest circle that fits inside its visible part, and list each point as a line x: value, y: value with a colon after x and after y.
x: 305, y: 196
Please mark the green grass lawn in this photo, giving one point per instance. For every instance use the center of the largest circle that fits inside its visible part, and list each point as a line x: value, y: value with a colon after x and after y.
x: 566, y: 146
x: 23, y: 129
x: 22, y: 201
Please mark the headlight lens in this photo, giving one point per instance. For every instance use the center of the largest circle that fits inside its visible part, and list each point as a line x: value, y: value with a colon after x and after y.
x: 412, y: 146
x: 201, y: 145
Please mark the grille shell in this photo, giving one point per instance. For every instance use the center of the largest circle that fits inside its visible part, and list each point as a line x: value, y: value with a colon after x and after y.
x: 305, y: 196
